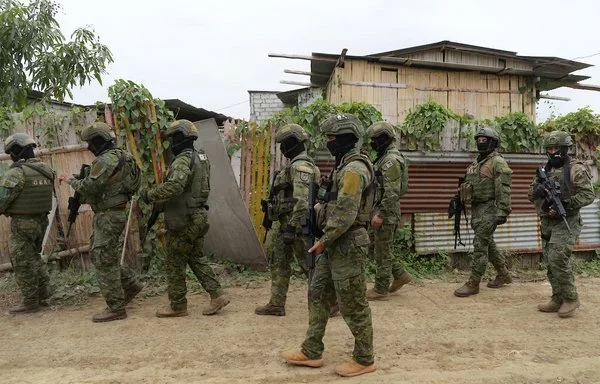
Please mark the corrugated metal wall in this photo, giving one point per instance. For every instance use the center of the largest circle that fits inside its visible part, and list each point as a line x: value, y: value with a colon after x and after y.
x: 434, y: 232
x: 433, y: 179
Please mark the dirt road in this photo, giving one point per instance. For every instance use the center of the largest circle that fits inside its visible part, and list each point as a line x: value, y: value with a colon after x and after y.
x: 422, y: 335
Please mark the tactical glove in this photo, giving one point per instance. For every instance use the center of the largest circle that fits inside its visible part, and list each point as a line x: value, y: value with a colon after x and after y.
x: 499, y: 220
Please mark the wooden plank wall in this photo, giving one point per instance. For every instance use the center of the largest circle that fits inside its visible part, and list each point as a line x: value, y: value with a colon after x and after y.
x: 497, y: 95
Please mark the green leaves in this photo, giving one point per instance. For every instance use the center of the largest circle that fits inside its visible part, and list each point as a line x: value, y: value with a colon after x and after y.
x: 424, y: 124
x: 35, y: 54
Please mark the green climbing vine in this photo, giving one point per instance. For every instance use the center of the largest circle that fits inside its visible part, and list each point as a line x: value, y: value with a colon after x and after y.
x: 583, y: 125
x: 424, y: 125
x: 139, y: 120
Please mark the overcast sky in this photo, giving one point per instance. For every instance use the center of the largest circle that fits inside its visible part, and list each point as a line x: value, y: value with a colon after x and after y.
x: 210, y: 53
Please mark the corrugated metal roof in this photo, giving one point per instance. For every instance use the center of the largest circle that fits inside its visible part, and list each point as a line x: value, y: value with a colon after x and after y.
x: 434, y: 232
x: 545, y: 66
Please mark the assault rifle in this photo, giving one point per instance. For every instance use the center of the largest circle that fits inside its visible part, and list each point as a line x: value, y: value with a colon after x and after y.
x: 75, y: 200
x: 309, y: 228
x: 268, y: 205
x: 455, y: 208
x: 552, y: 197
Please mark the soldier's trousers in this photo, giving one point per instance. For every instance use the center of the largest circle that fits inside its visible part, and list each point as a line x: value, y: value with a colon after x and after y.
x: 484, y: 246
x: 381, y: 250
x: 106, y: 255
x: 31, y: 274
x: 280, y: 263
x: 340, y: 270
x: 557, y: 246
x: 185, y: 247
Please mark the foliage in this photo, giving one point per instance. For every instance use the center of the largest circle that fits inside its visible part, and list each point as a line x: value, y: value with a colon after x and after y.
x: 36, y: 55
x: 132, y: 110
x: 312, y: 116
x: 415, y: 264
x: 518, y: 133
x: 424, y: 125
x: 583, y: 125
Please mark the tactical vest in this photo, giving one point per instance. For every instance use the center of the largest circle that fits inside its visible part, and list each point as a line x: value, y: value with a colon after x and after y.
x: 391, y: 154
x: 479, y: 180
x: 564, y: 179
x: 367, y: 197
x: 118, y: 188
x: 283, y: 200
x: 194, y: 195
x: 36, y: 197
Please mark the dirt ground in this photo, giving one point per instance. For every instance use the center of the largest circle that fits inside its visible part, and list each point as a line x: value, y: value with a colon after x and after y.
x: 423, y: 335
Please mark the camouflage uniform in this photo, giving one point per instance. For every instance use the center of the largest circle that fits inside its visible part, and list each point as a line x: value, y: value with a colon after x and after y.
x: 184, y: 194
x: 489, y: 181
x: 26, y: 196
x: 185, y: 234
x: 557, y: 243
x: 102, y: 188
x: 391, y: 175
x: 291, y: 204
x: 340, y: 269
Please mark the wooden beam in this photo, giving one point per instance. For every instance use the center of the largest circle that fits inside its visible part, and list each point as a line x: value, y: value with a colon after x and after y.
x: 545, y: 96
x: 375, y: 85
x: 303, y: 57
x: 587, y: 87
x: 340, y: 60
x: 446, y: 89
x: 294, y: 72
x: 312, y: 85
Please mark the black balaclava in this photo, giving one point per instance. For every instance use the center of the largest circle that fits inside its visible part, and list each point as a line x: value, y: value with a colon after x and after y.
x: 97, y: 145
x: 558, y: 159
x: 17, y: 153
x: 341, y: 144
x: 291, y: 147
x: 380, y: 143
x: 486, y: 148
x: 180, y: 142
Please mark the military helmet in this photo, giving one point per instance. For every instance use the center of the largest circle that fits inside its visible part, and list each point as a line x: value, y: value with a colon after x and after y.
x: 380, y: 128
x: 291, y: 130
x: 98, y: 129
x: 186, y: 127
x: 488, y: 132
x: 557, y: 139
x: 342, y: 123
x: 21, y: 139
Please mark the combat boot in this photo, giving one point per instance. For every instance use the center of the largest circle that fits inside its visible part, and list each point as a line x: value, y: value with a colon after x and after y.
x: 270, y: 310
x: 44, y: 294
x: 299, y: 358
x: 568, y: 308
x: 108, y: 315
x: 215, y: 305
x: 170, y: 312
x: 499, y: 281
x: 352, y: 368
x: 372, y: 294
x: 468, y: 289
x: 132, y: 292
x: 404, y: 279
x: 24, y: 308
x: 551, y: 306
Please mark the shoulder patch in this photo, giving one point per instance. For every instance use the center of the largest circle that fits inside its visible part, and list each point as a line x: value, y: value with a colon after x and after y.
x: 304, y: 176
x: 304, y: 169
x: 387, y: 165
x: 202, y: 156
x: 350, y: 183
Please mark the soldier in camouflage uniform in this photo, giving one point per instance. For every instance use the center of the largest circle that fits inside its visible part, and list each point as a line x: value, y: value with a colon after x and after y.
x: 576, y: 191
x: 184, y: 194
x: 391, y: 178
x: 26, y: 196
x: 289, y: 207
x: 341, y: 251
x: 112, y: 180
x: 487, y: 186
